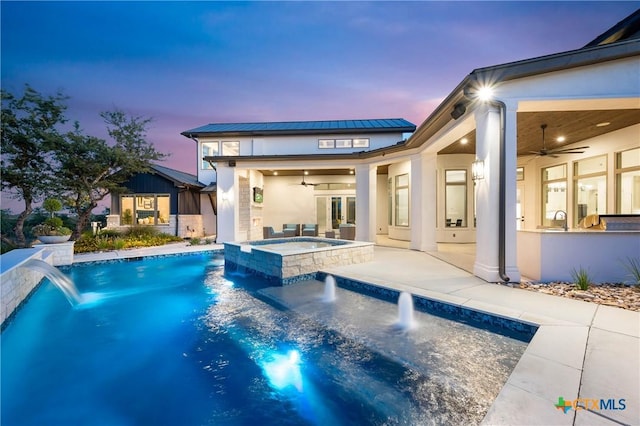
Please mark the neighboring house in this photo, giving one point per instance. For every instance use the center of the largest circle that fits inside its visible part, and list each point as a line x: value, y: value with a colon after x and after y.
x: 173, y: 202
x: 478, y: 170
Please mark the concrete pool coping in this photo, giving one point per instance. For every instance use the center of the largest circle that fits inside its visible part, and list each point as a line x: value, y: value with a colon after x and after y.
x: 581, y: 349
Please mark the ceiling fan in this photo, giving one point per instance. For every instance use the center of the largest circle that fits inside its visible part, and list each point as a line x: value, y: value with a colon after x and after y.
x: 303, y: 183
x: 551, y: 152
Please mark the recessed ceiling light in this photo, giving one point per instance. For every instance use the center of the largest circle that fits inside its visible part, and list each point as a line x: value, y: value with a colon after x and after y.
x: 603, y: 124
x: 561, y: 139
x: 306, y: 173
x: 351, y: 172
x: 464, y: 141
x: 275, y: 173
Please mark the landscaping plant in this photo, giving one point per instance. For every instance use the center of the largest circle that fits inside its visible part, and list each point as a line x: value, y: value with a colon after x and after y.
x: 633, y: 266
x: 581, y: 278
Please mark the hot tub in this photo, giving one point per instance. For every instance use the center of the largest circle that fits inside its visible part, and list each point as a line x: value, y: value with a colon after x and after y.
x: 286, y: 261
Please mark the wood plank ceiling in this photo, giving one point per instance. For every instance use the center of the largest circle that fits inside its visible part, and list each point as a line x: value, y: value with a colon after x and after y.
x: 575, y: 126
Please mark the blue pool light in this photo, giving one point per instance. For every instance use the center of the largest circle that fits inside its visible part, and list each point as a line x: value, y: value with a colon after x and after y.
x: 283, y: 370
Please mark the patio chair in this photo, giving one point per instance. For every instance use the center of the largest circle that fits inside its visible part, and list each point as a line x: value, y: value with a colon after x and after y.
x: 291, y: 229
x: 268, y: 232
x: 310, y: 230
x: 347, y: 231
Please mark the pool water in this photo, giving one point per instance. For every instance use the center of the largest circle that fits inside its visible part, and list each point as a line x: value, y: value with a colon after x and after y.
x: 173, y: 341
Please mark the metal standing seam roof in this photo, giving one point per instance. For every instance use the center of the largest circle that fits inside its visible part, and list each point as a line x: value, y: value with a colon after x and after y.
x: 177, y: 176
x: 382, y: 125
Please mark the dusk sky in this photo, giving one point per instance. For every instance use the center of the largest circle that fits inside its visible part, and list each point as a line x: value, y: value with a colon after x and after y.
x: 186, y: 64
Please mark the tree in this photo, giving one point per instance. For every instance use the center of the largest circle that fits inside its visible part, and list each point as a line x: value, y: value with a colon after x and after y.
x: 90, y: 168
x: 29, y: 132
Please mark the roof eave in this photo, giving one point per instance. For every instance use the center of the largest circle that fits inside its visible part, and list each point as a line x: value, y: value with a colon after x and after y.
x: 441, y: 116
x: 194, y: 133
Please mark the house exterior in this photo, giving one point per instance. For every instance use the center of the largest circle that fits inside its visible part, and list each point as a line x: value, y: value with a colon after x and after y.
x: 166, y: 199
x: 535, y: 163
x: 483, y: 168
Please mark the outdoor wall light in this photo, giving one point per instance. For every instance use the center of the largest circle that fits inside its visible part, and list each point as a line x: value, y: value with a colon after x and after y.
x: 458, y: 111
x: 224, y: 196
x: 477, y: 170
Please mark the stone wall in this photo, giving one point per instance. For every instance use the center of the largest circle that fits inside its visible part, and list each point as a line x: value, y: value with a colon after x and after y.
x: 190, y: 226
x: 16, y: 283
x: 61, y: 253
x: 289, y: 268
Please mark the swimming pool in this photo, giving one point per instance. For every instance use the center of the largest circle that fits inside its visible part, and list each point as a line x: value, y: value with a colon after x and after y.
x: 172, y: 341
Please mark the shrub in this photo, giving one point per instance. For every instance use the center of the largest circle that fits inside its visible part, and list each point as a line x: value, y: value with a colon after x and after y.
x: 46, y: 229
x: 633, y: 266
x: 141, y: 231
x: 54, y: 222
x: 119, y: 243
x: 195, y: 241
x: 110, y: 233
x: 581, y: 278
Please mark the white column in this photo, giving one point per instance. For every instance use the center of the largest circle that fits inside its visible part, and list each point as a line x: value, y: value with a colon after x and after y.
x: 488, y: 191
x: 366, y: 187
x: 423, y: 202
x: 415, y: 202
x: 227, y: 201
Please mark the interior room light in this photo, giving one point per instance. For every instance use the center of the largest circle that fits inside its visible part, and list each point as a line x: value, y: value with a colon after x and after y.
x: 477, y: 170
x: 306, y: 173
x: 561, y: 139
x: 351, y: 172
x: 275, y: 173
x: 603, y: 124
x: 464, y: 141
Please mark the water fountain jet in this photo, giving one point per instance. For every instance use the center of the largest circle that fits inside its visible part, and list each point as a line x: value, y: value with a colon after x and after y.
x: 405, y: 311
x: 329, y: 289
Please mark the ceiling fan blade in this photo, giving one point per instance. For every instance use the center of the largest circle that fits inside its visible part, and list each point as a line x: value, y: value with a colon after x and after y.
x: 577, y: 148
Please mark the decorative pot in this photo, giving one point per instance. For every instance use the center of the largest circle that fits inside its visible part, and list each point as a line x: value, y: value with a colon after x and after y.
x: 53, y: 239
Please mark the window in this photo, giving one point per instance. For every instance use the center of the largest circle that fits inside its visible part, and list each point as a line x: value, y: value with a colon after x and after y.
x: 231, y: 148
x: 361, y: 143
x: 144, y: 209
x: 402, y: 200
x: 628, y: 182
x: 590, y: 187
x: 343, y: 143
x: 209, y: 149
x: 326, y: 143
x: 455, y: 198
x: 554, y: 193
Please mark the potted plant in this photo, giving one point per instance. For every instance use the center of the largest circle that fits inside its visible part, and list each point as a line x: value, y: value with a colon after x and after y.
x: 52, y: 230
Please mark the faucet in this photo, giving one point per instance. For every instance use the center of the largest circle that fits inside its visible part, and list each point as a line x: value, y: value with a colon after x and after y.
x: 555, y: 216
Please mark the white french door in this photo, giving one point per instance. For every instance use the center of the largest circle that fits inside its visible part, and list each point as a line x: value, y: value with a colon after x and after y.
x: 332, y: 210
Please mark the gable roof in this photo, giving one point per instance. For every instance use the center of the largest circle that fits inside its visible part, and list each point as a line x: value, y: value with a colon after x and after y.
x: 383, y: 125
x: 628, y: 28
x: 177, y: 177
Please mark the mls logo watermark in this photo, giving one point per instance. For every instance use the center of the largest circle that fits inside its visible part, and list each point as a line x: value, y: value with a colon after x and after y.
x: 590, y: 404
